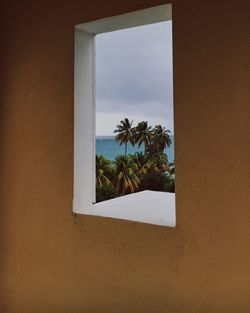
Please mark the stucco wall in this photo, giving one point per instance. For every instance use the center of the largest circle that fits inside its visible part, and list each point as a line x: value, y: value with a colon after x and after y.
x: 52, y: 261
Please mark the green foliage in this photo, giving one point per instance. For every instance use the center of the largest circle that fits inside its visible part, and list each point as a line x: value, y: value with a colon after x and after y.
x: 171, y: 170
x: 142, y: 171
x: 142, y: 134
x: 160, y: 139
x: 142, y: 162
x: 155, y: 181
x: 103, y: 171
x: 126, y: 180
x: 158, y: 162
x: 124, y: 133
x: 170, y: 185
x: 171, y: 178
x: 105, y: 192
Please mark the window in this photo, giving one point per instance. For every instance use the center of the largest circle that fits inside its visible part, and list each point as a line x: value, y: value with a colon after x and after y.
x: 145, y: 206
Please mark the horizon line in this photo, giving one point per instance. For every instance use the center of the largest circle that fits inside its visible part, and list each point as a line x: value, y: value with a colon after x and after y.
x: 172, y: 134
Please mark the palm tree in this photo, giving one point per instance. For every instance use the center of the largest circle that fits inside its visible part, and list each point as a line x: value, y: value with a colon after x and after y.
x: 158, y: 162
x: 102, y: 168
x: 160, y: 138
x: 142, y: 162
x: 143, y: 135
x: 124, y: 133
x: 126, y: 181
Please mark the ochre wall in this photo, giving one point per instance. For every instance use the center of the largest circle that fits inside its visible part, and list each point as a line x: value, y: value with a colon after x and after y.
x: 52, y: 261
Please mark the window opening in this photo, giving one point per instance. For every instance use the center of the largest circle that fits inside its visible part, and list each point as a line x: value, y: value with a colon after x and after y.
x: 148, y: 206
x: 134, y: 111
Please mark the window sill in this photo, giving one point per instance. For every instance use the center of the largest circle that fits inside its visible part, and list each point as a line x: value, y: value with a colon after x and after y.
x: 151, y: 207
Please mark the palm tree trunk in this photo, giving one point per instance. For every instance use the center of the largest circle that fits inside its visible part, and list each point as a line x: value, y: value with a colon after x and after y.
x: 126, y: 145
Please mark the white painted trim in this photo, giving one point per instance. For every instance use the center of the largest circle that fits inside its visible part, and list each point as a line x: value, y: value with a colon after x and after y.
x: 151, y: 207
x: 84, y: 120
x: 84, y: 127
x: 152, y: 15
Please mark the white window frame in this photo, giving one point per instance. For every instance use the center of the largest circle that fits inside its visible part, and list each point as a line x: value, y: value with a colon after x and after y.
x: 85, y: 119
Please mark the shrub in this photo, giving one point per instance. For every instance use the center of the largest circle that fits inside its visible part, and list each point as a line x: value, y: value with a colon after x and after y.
x: 170, y: 185
x: 105, y: 192
x: 155, y: 181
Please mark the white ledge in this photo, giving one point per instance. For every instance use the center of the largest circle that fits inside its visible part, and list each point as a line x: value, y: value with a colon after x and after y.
x: 151, y: 207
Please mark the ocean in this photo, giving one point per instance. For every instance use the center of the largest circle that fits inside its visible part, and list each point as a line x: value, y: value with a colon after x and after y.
x: 109, y: 148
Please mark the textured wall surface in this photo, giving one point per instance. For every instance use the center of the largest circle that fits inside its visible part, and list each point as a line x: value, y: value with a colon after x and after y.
x: 52, y: 261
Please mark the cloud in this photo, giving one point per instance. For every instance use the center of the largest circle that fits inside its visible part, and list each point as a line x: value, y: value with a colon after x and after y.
x: 134, y: 74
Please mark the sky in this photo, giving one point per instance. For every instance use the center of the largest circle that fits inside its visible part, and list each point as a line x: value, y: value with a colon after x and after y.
x: 134, y: 77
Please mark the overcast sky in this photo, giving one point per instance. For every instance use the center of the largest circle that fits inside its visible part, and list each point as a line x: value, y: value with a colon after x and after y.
x: 134, y: 77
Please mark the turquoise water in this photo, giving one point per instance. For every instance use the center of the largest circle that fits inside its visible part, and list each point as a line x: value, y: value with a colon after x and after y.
x: 108, y: 147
